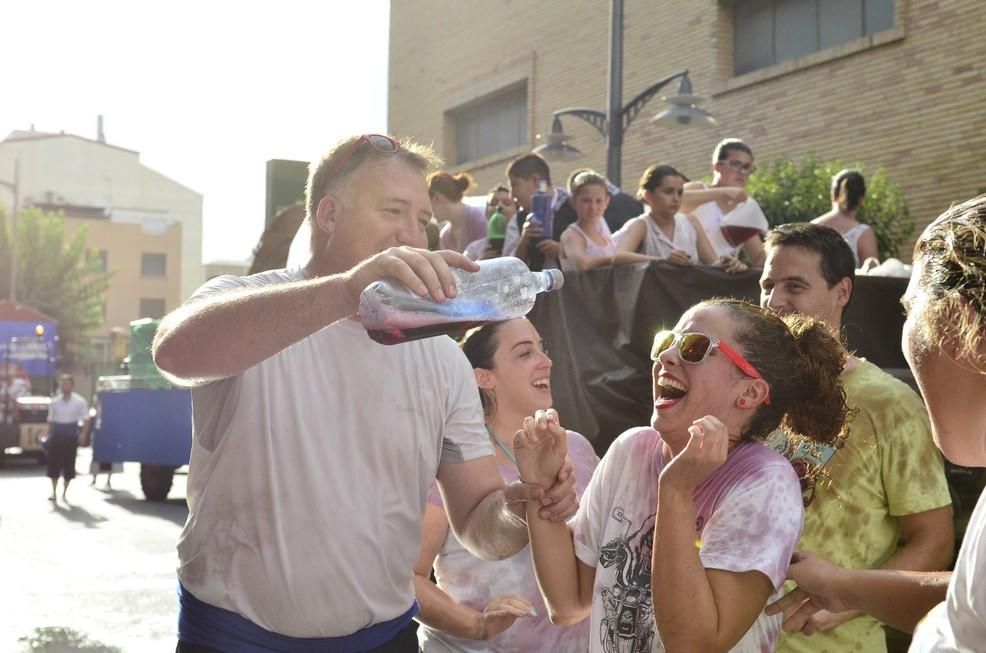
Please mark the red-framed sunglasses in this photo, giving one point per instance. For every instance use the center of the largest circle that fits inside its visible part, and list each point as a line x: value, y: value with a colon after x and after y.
x: 380, y: 142
x: 695, y: 347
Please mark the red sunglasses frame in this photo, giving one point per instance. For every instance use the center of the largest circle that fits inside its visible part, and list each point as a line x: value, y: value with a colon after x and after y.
x: 714, y: 343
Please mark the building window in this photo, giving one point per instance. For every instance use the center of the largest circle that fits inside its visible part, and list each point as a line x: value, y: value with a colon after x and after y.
x: 768, y: 32
x: 493, y: 124
x: 151, y: 307
x: 153, y: 265
x: 99, y: 259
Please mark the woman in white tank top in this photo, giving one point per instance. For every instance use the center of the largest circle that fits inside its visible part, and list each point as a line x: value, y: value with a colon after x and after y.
x: 848, y: 193
x: 662, y: 232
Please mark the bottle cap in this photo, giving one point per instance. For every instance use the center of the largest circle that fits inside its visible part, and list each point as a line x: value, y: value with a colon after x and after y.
x: 556, y: 278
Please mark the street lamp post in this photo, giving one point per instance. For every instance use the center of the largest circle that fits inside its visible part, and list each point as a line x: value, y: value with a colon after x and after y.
x: 613, y: 123
x: 15, y: 188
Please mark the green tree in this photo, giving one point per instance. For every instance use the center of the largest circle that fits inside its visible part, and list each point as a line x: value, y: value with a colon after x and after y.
x: 55, y: 276
x: 799, y: 192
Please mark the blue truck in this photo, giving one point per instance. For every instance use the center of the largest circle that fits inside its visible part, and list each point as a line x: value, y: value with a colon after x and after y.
x: 141, y: 417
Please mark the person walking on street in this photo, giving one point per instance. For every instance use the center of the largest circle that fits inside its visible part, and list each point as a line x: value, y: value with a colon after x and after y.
x: 66, y: 414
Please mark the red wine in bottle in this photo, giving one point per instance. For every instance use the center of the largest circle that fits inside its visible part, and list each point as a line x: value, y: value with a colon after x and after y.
x: 736, y: 236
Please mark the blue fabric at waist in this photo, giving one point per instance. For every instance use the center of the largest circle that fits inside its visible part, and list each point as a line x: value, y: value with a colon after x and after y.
x: 223, y: 630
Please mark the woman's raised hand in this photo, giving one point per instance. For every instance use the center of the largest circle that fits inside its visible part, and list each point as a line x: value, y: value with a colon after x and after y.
x: 540, y: 448
x: 705, y: 452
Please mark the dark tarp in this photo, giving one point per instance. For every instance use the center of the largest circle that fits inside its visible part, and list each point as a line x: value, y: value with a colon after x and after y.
x: 598, y: 329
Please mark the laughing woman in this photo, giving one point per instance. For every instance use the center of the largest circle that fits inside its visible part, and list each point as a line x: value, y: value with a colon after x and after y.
x: 687, y: 527
x: 494, y: 606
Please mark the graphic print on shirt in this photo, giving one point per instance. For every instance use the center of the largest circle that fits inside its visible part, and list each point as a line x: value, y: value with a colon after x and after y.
x: 628, y: 623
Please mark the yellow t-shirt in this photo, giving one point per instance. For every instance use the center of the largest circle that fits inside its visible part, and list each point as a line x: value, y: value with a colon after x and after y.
x: 888, y: 467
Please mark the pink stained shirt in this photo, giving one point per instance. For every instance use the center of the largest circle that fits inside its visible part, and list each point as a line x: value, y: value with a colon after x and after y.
x: 748, y: 516
x: 475, y: 582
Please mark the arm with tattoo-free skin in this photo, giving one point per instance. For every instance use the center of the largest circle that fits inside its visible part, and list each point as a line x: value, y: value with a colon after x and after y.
x: 220, y: 336
x: 487, y: 516
x: 711, y: 609
x: 894, y: 597
x: 565, y: 581
x: 439, y: 610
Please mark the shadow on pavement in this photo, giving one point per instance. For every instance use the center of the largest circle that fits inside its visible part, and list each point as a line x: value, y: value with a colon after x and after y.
x: 77, y: 514
x: 61, y: 640
x: 174, y: 510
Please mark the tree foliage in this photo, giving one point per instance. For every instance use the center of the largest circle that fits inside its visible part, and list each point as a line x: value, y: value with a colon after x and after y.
x: 56, y: 276
x: 799, y: 192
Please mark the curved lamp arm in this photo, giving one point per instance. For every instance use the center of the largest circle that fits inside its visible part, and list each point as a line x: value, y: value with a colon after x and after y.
x: 592, y: 116
x: 636, y: 105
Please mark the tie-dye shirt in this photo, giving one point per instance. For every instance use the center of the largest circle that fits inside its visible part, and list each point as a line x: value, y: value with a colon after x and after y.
x: 887, y: 468
x: 748, y: 516
x: 476, y: 582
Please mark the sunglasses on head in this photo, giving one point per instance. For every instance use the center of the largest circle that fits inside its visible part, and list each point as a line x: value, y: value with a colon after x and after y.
x: 380, y: 142
x: 695, y: 347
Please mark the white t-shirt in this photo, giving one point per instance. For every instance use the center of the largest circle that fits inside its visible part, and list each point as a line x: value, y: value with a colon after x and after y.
x: 749, y: 514
x: 73, y: 410
x: 309, y: 473
x: 958, y: 624
x: 711, y: 216
x: 656, y: 242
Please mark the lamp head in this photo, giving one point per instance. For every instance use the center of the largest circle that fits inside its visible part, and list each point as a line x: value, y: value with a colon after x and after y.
x: 684, y: 109
x: 556, y: 149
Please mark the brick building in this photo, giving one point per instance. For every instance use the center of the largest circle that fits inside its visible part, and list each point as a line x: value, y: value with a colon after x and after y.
x: 893, y: 83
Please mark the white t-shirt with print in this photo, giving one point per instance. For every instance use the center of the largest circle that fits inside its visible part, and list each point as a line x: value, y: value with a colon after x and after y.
x: 749, y: 514
x: 958, y: 624
x: 309, y: 473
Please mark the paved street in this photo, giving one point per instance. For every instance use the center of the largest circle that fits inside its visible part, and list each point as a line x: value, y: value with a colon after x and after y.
x: 99, y: 571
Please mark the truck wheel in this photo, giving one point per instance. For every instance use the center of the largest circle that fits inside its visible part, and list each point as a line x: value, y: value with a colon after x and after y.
x: 155, y: 481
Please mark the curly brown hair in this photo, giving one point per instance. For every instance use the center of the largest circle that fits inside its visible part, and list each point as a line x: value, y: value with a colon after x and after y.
x: 801, y: 362
x: 952, y: 251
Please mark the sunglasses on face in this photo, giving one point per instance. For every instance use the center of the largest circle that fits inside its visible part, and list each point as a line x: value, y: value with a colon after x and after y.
x: 695, y: 347
x: 380, y: 142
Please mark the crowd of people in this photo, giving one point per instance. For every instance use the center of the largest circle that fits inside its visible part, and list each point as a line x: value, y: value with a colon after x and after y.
x: 339, y: 489
x: 595, y: 224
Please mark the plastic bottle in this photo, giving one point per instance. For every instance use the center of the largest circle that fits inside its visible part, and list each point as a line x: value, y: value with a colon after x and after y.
x: 496, y: 231
x: 502, y: 289
x: 542, y: 216
x: 541, y: 209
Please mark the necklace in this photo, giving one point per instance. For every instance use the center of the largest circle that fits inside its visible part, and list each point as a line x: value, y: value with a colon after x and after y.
x: 502, y: 446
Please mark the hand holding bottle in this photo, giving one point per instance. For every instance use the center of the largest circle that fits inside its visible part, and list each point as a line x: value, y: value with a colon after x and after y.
x: 422, y: 271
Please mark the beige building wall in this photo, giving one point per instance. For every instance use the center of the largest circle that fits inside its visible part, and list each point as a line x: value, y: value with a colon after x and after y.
x: 125, y: 245
x: 69, y: 169
x: 911, y: 99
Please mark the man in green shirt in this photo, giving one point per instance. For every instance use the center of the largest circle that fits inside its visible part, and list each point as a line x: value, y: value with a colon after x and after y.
x: 881, y: 501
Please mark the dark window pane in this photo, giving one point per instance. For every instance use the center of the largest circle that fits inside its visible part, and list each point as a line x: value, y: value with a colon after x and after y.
x: 153, y: 265
x: 753, y: 36
x: 796, y: 29
x: 839, y: 21
x: 879, y: 15
x: 490, y: 126
x: 152, y: 308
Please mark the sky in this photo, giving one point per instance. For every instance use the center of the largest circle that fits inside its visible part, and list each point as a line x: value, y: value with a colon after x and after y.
x: 206, y: 91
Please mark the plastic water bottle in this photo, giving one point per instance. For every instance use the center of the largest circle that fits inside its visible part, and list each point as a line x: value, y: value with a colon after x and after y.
x: 541, y: 209
x: 496, y: 231
x: 502, y: 289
